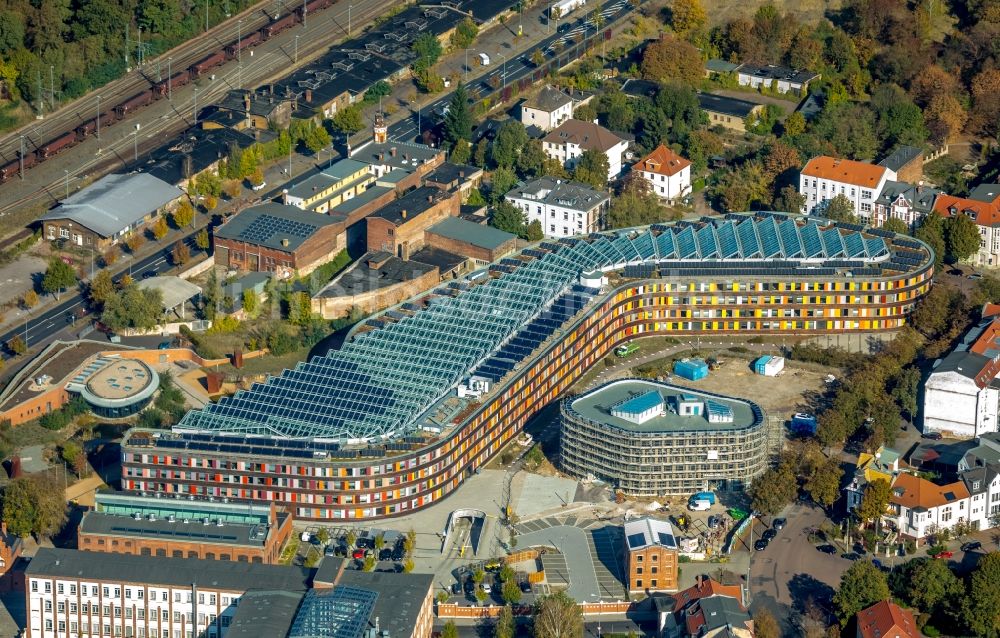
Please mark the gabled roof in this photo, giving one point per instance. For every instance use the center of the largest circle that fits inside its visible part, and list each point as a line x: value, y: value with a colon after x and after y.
x: 775, y: 72
x: 920, y: 198
x: 641, y: 533
x: 115, y: 202
x: 900, y: 157
x: 586, y: 135
x: 662, y: 161
x: 727, y: 105
x: 984, y: 213
x: 886, y: 619
x: 548, y: 99
x: 844, y: 170
x: 913, y: 492
x: 710, y: 614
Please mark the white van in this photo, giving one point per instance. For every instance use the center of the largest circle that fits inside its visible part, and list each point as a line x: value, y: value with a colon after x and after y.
x: 701, y: 505
x: 484, y: 59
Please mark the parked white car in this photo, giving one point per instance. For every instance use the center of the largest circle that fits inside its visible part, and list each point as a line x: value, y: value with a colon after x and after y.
x: 700, y: 505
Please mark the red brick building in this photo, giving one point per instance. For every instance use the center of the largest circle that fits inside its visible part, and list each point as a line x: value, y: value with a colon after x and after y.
x: 651, y: 549
x: 144, y: 526
x: 278, y: 238
x: 399, y: 226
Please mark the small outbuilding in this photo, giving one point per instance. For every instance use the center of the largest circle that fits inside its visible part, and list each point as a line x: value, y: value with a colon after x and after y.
x: 769, y: 366
x: 691, y: 369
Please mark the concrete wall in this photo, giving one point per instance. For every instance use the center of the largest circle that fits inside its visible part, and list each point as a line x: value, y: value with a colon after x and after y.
x: 36, y: 406
x: 954, y: 405
x: 407, y: 237
x: 375, y: 300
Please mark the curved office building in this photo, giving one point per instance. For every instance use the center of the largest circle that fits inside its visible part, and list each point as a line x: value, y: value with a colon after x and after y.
x: 424, y: 393
x: 654, y: 439
x: 115, y: 388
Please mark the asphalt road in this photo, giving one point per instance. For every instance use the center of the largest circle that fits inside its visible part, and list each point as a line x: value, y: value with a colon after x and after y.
x: 165, y: 118
x: 505, y: 71
x: 41, y: 329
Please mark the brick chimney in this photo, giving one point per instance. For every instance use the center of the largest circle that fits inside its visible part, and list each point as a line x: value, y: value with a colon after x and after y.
x: 309, y: 95
x: 392, y: 151
x: 403, y: 213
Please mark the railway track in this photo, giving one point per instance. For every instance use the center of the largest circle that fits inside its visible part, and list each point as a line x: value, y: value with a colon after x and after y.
x: 164, y: 119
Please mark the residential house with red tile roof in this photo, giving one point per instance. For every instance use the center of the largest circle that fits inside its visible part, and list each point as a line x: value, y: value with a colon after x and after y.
x: 886, y: 619
x: 983, y: 207
x: 568, y: 142
x: 668, y: 174
x: 919, y: 507
x: 709, y: 609
x: 962, y: 394
x: 825, y: 177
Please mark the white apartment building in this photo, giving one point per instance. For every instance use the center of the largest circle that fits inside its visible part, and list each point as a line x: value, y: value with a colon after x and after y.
x: 961, y: 398
x: 563, y: 208
x: 79, y: 594
x: 824, y: 177
x: 983, y: 207
x: 548, y: 109
x: 568, y: 142
x: 668, y: 174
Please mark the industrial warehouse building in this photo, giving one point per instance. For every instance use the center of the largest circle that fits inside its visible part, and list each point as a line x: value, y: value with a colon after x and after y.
x: 382, y: 426
x: 653, y: 439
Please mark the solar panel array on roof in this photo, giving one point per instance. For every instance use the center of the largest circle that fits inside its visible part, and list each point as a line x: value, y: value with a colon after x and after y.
x: 380, y: 381
x: 266, y: 226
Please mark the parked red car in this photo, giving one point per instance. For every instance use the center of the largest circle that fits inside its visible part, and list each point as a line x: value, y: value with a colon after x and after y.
x: 358, y: 553
x: 944, y: 554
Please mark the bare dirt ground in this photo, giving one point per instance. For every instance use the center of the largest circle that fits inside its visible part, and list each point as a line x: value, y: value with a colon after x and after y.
x: 795, y: 390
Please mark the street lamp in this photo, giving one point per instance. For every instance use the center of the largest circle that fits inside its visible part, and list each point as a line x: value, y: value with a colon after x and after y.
x: 349, y: 7
x: 66, y: 171
x: 135, y: 142
x: 170, y: 87
x: 195, y: 105
x: 98, y: 117
x: 504, y: 72
x: 21, y: 157
x: 296, y: 49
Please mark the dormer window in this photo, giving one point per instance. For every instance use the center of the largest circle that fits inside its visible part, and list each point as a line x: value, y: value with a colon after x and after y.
x: 953, y: 211
x: 975, y: 485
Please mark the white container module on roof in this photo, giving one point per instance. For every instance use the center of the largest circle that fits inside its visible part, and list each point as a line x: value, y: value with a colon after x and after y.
x: 640, y: 408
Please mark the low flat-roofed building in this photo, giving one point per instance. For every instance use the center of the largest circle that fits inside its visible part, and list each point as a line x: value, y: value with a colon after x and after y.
x: 174, y: 291
x: 278, y: 238
x: 128, y: 523
x: 247, y: 108
x: 332, y: 185
x: 398, y: 227
x: 728, y: 112
x: 777, y: 78
x: 109, y: 210
x: 482, y: 244
x: 415, y: 159
x: 375, y: 282
x: 654, y: 439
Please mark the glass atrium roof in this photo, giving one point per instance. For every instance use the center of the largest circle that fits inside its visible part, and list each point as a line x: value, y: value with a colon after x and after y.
x: 380, y: 381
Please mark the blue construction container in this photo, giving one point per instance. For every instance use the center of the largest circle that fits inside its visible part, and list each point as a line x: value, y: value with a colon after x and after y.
x: 691, y: 369
x: 760, y: 365
x: 803, y: 423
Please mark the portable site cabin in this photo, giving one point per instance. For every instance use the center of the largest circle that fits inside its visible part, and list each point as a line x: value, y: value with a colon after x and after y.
x: 769, y: 366
x: 691, y: 369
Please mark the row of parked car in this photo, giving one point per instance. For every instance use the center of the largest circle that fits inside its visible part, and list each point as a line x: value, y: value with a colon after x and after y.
x: 769, y: 535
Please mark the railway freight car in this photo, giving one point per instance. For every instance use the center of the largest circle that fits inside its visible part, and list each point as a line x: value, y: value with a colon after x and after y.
x: 134, y: 103
x: 206, y: 63
x: 176, y: 81
x: 57, y: 145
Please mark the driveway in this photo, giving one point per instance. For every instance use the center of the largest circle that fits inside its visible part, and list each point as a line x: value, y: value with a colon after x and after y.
x: 791, y: 575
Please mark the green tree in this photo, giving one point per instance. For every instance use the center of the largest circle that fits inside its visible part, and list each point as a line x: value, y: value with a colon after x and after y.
x: 874, y: 501
x: 369, y: 564
x: 840, y: 209
x: 458, y: 120
x: 862, y: 585
x: 461, y: 153
x: 379, y: 542
x: 789, y: 200
x: 160, y: 229
x: 502, y: 180
x: 895, y: 225
x: 592, y: 169
x: 351, y: 538
x: 795, y: 124
x: 465, y: 34
x: 250, y: 302
x: 29, y: 300
x: 505, y: 627
x: 982, y: 605
x: 479, y: 153
x: 408, y: 565
x: 449, y: 630
x: 202, y: 239
x: 180, y: 254
x: 133, y: 307
x: 378, y: 90
x: 509, y: 141
x: 961, y: 237
x: 410, y: 541
x: 932, y: 232
x: 775, y: 489
x: 823, y: 486
x: 17, y: 345
x: 58, y: 276
x: 932, y: 583
x: 318, y: 139
x: 34, y: 505
x: 101, y: 287
x: 511, y: 592
x: 533, y: 232
x: 427, y: 49
x: 558, y: 616
x: 184, y: 214
x: 348, y: 120
x: 635, y: 205
x: 508, y: 217
x: 671, y: 58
